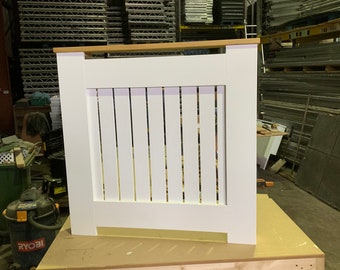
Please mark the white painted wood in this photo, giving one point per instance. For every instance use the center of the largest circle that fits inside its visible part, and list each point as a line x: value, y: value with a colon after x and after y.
x: 76, y: 142
x: 207, y: 122
x: 190, y: 145
x: 157, y: 148
x: 124, y: 140
x: 140, y: 139
x: 108, y: 144
x: 241, y: 141
x: 173, y: 144
x: 220, y: 144
x: 184, y: 71
x: 95, y: 148
x: 237, y: 217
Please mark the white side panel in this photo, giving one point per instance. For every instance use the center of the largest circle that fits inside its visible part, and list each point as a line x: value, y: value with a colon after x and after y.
x: 173, y: 144
x: 207, y: 144
x: 157, y: 153
x: 241, y: 142
x: 190, y: 144
x: 108, y: 142
x: 140, y: 139
x: 124, y: 140
x: 76, y: 141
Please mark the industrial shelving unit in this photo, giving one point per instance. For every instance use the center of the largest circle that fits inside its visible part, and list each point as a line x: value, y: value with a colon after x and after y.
x: 300, y: 80
x: 216, y: 19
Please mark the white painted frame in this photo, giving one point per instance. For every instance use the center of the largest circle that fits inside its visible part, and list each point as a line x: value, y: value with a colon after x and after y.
x: 236, y: 69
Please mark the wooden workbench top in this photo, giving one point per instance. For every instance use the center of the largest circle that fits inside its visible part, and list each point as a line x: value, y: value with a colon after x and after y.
x: 278, y: 239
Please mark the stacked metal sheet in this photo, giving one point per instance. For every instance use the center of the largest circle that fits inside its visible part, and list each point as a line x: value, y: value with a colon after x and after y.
x: 151, y: 20
x: 199, y: 11
x: 39, y: 71
x: 232, y: 12
x: 114, y: 25
x: 279, y: 12
x: 310, y: 8
x: 301, y: 84
x: 62, y: 20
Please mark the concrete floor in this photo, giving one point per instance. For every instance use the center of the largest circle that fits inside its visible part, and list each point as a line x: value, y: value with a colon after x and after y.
x: 318, y: 220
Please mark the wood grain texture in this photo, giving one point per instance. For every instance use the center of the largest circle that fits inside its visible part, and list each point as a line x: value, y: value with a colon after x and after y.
x: 209, y: 44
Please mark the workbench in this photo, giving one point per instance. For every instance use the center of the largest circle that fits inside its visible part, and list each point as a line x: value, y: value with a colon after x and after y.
x: 281, y: 245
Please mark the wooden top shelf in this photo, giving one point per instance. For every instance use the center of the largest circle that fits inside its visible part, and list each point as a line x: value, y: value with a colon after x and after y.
x: 156, y: 47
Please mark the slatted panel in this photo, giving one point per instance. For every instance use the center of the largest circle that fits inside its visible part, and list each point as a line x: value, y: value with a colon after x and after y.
x: 207, y: 144
x: 124, y: 139
x: 157, y: 147
x: 108, y: 141
x: 173, y: 143
x: 220, y: 144
x: 140, y: 143
x: 159, y: 144
x: 190, y: 144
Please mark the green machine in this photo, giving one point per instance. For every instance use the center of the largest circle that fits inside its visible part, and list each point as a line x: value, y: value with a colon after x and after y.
x: 16, y: 157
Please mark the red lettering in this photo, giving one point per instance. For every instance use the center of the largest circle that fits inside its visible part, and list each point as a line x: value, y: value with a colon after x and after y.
x: 28, y: 246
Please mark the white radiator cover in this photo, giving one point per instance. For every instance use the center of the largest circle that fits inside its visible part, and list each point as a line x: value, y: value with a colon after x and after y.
x: 162, y: 142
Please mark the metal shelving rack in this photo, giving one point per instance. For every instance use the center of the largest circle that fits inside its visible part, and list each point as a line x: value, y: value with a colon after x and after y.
x: 63, y: 21
x: 301, y: 80
x: 39, y: 70
x: 151, y: 21
x: 230, y: 20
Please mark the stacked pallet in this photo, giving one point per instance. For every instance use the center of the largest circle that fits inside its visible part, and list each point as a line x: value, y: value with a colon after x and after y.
x: 300, y: 84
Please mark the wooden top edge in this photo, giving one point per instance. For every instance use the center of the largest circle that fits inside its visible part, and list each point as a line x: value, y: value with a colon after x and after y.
x: 157, y: 46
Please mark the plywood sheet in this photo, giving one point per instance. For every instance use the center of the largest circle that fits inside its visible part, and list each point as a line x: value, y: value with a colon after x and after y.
x: 278, y: 238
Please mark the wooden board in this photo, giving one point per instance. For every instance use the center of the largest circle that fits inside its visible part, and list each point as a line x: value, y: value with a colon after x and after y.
x: 208, y: 44
x: 262, y: 132
x: 281, y: 245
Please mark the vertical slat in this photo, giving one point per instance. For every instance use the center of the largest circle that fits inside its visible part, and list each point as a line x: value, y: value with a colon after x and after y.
x: 207, y: 144
x: 94, y: 136
x: 124, y: 138
x: 140, y: 139
x: 190, y: 144
x: 108, y: 143
x: 157, y: 153
x: 173, y: 144
x: 221, y: 159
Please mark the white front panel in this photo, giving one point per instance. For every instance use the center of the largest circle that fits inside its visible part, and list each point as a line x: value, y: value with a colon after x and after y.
x: 178, y: 146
